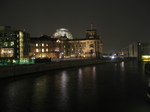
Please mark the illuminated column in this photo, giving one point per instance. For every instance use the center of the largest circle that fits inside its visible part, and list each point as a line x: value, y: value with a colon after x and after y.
x: 62, y: 47
x: 21, y: 44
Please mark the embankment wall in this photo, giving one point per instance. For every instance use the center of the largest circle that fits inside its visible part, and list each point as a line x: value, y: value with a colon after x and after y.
x: 147, y: 67
x: 17, y: 70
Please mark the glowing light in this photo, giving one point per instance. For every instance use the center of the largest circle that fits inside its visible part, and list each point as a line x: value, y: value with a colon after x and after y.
x: 112, y: 57
x: 21, y: 44
x: 146, y: 57
x: 37, y: 50
x: 36, y: 44
x: 58, y: 41
x: 62, y: 32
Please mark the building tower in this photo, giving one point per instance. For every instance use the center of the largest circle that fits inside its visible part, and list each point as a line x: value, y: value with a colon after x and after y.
x: 92, y: 33
x: 93, y: 43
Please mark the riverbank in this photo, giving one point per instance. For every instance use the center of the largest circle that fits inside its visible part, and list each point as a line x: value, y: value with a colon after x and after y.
x: 18, y: 70
x: 147, y: 67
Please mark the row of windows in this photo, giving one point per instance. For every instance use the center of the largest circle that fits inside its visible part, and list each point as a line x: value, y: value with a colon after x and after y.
x: 56, y: 50
x: 7, y: 52
x: 7, y: 39
x: 7, y: 34
x: 7, y: 44
x: 42, y: 50
x: 43, y: 44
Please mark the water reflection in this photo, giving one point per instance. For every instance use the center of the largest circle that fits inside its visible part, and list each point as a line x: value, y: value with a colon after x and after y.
x: 103, y: 87
x: 63, y: 84
x: 39, y: 95
x: 80, y: 77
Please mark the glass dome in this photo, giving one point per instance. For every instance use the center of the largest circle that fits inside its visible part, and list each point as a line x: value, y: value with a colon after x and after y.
x: 62, y: 32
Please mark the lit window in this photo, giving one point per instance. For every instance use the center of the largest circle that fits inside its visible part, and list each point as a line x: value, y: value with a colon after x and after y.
x: 46, y: 44
x: 42, y: 50
x: 36, y: 44
x: 42, y: 44
x: 37, y: 50
x: 12, y: 43
x: 46, y: 50
x: 5, y: 44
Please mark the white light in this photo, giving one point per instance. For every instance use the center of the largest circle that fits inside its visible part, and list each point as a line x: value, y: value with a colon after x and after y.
x: 56, y: 50
x: 112, y: 57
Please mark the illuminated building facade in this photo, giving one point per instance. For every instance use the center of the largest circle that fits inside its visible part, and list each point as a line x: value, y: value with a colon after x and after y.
x: 44, y: 47
x: 62, y: 45
x: 145, y: 51
x: 139, y: 50
x: 14, y: 45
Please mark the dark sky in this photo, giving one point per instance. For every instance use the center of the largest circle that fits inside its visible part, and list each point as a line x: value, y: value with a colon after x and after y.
x: 119, y: 22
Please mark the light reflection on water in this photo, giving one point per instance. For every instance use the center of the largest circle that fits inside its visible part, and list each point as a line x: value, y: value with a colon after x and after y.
x: 80, y: 77
x: 115, y: 86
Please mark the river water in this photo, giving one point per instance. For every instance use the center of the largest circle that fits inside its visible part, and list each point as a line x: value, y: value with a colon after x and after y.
x: 118, y: 87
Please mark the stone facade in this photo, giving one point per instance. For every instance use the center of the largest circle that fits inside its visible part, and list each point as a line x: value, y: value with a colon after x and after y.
x: 64, y: 47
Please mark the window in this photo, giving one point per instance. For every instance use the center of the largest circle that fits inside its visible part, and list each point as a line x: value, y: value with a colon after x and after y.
x: 1, y: 39
x: 91, y: 45
x: 42, y: 44
x: 1, y: 34
x: 36, y: 44
x: 5, y: 44
x: 5, y: 34
x: 46, y: 50
x: 42, y: 50
x: 46, y: 44
x: 37, y: 50
x: 12, y: 43
x: 7, y: 52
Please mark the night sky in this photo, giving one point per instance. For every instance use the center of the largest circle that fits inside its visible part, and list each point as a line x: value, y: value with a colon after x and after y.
x: 119, y: 22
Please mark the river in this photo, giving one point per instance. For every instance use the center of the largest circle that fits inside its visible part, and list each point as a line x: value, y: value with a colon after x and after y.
x: 118, y: 87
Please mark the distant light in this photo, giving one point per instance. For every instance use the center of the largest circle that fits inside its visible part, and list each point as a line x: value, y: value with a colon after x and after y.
x: 56, y: 50
x: 146, y: 57
x: 112, y: 57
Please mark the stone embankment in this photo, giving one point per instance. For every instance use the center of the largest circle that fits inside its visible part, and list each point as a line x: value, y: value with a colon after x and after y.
x: 147, y: 67
x: 17, y: 70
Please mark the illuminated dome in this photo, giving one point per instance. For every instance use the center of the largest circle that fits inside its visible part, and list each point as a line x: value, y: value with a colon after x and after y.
x: 62, y: 32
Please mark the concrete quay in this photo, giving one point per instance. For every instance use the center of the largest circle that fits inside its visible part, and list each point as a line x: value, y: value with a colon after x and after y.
x: 18, y: 70
x: 147, y: 67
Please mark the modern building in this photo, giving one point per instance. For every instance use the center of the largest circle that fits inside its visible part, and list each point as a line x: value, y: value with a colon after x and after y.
x: 14, y: 45
x: 62, y: 45
x: 145, y: 51
x: 138, y: 50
